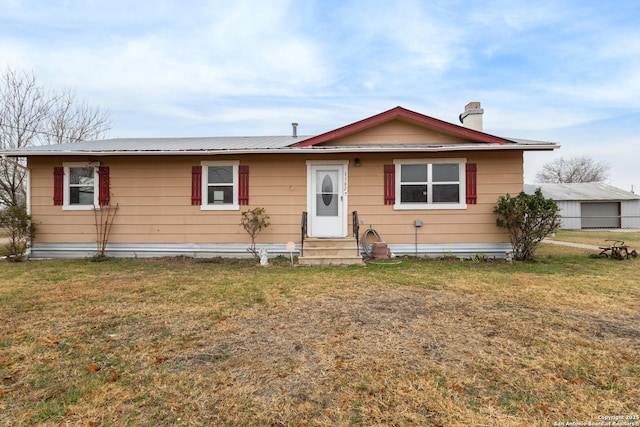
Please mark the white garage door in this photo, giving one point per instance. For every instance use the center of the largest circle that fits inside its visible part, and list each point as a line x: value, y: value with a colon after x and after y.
x: 601, y: 215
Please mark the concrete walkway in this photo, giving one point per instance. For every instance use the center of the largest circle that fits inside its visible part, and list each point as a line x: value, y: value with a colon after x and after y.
x: 573, y: 245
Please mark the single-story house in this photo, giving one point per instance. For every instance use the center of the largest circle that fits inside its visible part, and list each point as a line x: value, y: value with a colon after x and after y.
x: 427, y: 186
x: 592, y: 205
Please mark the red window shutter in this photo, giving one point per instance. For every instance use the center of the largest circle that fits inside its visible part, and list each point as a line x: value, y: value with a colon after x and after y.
x: 196, y: 185
x: 243, y: 185
x: 103, y: 186
x: 58, y: 186
x: 389, y: 184
x: 472, y: 196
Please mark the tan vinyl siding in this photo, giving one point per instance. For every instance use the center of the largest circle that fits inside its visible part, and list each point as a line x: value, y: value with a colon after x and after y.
x: 498, y: 173
x: 397, y: 132
x: 154, y: 195
x: 154, y: 198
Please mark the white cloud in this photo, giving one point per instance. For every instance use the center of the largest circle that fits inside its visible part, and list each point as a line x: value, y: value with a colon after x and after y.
x: 404, y: 37
x: 543, y: 70
x: 242, y: 51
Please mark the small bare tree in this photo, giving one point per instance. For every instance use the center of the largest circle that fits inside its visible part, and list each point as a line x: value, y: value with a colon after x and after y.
x: 254, y: 221
x: 104, y: 216
x: 30, y: 115
x: 571, y: 170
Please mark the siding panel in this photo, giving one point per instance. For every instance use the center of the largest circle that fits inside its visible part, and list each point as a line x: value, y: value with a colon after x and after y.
x: 154, y: 195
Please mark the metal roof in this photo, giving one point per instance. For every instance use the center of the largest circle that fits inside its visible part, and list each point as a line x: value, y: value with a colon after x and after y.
x: 530, y: 141
x: 287, y: 144
x: 166, y: 144
x: 245, y: 145
x: 583, y: 191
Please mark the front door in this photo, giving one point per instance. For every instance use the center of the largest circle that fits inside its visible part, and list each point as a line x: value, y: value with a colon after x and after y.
x: 327, y: 184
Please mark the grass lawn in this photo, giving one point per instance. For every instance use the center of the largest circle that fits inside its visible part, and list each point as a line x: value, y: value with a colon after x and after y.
x: 599, y: 237
x: 185, y: 342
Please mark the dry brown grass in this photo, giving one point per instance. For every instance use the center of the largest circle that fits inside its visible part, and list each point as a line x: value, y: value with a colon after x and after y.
x: 182, y: 342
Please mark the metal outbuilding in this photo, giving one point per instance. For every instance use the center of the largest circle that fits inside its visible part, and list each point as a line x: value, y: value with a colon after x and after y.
x: 592, y: 205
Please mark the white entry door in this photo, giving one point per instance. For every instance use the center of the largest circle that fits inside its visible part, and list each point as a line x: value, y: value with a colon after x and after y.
x: 327, y: 199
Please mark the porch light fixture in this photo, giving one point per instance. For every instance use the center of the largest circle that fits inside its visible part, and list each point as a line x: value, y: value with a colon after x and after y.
x: 356, y: 162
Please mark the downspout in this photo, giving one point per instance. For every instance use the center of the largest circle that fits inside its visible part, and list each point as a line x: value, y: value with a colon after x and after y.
x: 27, y: 177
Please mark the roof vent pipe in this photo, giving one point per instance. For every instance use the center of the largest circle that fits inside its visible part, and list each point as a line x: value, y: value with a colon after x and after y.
x: 295, y: 129
x: 472, y: 116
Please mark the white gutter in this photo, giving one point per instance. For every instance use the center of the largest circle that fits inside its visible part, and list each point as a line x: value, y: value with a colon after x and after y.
x: 294, y: 150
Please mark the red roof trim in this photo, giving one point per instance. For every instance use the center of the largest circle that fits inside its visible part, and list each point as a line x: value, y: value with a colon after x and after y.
x: 399, y: 112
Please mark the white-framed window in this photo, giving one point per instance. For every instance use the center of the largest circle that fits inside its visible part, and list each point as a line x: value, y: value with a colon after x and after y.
x: 220, y: 185
x: 430, y: 184
x: 80, y: 185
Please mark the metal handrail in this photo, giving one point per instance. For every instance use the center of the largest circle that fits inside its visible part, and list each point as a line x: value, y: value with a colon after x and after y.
x: 356, y: 229
x: 303, y: 232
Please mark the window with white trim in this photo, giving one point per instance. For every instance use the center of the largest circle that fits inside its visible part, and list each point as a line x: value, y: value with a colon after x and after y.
x: 220, y: 186
x: 80, y: 186
x: 430, y: 184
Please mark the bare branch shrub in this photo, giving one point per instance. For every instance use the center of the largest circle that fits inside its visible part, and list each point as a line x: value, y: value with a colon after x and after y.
x: 104, y: 216
x: 254, y: 221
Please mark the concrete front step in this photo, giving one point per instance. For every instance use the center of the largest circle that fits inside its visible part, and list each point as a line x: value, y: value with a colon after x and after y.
x: 330, y: 252
x: 327, y: 261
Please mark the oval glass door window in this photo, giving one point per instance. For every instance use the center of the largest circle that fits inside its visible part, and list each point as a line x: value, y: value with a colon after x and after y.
x: 327, y: 190
x: 326, y: 193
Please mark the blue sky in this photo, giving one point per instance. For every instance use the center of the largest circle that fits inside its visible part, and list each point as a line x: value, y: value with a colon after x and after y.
x: 562, y: 71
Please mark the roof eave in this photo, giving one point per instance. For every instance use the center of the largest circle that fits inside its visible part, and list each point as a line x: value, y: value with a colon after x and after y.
x: 295, y: 150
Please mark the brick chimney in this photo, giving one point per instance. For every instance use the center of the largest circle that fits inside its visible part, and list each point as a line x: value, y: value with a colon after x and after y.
x: 472, y: 116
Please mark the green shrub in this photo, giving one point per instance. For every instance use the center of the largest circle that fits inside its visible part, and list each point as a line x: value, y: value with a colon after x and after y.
x: 19, y: 229
x: 528, y: 218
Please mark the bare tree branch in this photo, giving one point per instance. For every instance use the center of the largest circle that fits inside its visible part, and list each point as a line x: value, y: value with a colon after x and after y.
x: 73, y: 121
x: 23, y: 107
x: 29, y: 115
x: 571, y: 170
